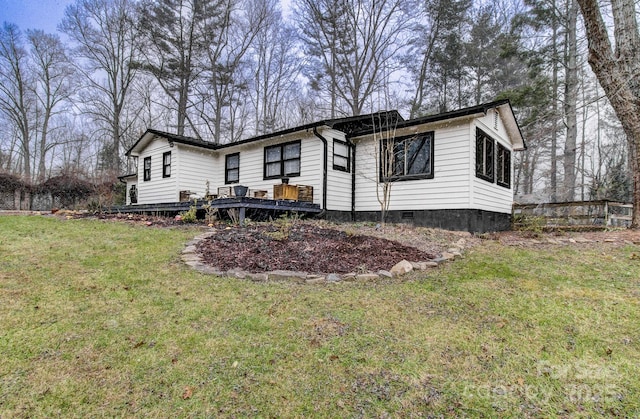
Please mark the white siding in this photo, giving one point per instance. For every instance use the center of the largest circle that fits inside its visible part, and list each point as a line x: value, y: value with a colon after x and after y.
x: 492, y: 124
x: 449, y: 188
x: 338, y: 182
x: 252, y: 165
x: 194, y: 166
x: 158, y: 189
x: 486, y: 195
x: 191, y: 167
x: 454, y: 185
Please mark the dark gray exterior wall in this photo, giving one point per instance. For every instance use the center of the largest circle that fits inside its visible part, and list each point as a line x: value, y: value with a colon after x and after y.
x: 472, y: 220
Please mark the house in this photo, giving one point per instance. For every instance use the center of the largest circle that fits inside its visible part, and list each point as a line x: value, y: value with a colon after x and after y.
x: 452, y: 170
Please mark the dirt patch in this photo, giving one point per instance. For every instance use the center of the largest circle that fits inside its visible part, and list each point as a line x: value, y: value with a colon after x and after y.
x: 614, y: 238
x: 324, y: 329
x: 137, y: 219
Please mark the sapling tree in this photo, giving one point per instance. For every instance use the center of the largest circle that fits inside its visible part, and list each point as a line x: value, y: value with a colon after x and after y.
x: 385, y: 146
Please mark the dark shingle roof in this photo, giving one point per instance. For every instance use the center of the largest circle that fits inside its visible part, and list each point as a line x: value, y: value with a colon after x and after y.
x: 352, y: 126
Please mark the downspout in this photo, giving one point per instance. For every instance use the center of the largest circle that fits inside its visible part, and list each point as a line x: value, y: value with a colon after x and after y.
x: 324, y: 168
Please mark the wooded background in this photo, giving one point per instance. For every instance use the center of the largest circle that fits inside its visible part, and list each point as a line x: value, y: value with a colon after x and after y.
x: 72, y: 103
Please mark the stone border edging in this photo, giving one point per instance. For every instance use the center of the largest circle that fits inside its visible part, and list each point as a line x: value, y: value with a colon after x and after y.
x: 191, y: 258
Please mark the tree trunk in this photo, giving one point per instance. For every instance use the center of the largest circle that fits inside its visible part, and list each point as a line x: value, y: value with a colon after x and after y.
x: 553, y: 179
x: 619, y: 74
x: 42, y: 168
x: 26, y: 153
x: 570, y: 102
x: 182, y: 105
x: 115, y: 163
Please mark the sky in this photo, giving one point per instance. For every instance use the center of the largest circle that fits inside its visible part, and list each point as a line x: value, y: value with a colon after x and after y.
x: 44, y: 14
x: 33, y: 14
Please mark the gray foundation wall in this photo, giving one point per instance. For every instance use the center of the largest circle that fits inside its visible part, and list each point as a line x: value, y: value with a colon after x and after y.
x: 472, y: 220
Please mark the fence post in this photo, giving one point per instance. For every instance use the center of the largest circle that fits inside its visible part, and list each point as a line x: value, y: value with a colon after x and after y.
x: 607, y: 220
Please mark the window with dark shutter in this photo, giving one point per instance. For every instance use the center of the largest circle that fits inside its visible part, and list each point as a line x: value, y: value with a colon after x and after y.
x: 147, y: 169
x: 485, y: 156
x: 166, y: 164
x: 503, y: 176
x: 232, y: 168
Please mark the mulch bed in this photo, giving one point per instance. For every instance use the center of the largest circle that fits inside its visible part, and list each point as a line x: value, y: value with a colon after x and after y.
x: 302, y: 247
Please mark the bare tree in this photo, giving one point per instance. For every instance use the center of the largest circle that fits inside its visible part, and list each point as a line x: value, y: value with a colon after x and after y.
x: 8, y: 143
x: 53, y: 73
x: 354, y: 42
x: 17, y: 101
x: 433, y: 21
x: 384, y: 139
x: 321, y: 23
x: 276, y: 69
x: 617, y: 67
x: 226, y: 82
x: 106, y: 35
x: 570, y: 99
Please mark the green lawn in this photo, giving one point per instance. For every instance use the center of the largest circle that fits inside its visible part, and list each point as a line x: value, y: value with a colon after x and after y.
x: 102, y: 319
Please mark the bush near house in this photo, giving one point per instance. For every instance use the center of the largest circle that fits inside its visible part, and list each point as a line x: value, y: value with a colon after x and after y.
x: 66, y: 190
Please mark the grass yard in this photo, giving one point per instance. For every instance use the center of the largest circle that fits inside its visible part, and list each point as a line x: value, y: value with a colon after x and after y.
x: 102, y: 319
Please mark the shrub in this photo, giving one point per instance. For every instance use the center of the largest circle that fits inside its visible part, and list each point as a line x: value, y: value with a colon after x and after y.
x: 10, y: 183
x: 190, y: 216
x: 529, y: 223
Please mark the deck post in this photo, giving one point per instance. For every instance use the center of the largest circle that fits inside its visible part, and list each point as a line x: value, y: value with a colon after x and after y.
x: 242, y: 214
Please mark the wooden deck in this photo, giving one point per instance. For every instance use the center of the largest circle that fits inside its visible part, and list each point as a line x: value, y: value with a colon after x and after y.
x: 241, y: 203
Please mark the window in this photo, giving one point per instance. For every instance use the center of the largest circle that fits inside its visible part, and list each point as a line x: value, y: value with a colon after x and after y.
x: 232, y: 168
x: 133, y: 194
x: 282, y: 160
x: 503, y: 177
x: 341, y: 160
x: 147, y: 169
x: 407, y: 158
x: 166, y: 164
x: 484, y: 156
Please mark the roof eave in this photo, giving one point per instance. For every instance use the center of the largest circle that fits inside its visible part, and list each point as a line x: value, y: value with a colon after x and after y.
x: 512, y: 127
x: 132, y: 152
x: 412, y: 125
x: 275, y: 135
x: 149, y: 134
x: 128, y: 175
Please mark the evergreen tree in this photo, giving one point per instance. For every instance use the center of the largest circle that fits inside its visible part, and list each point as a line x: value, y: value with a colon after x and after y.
x: 175, y: 43
x: 434, y: 31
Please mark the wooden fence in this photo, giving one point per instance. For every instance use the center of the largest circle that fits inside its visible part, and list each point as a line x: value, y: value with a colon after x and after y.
x: 572, y: 215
